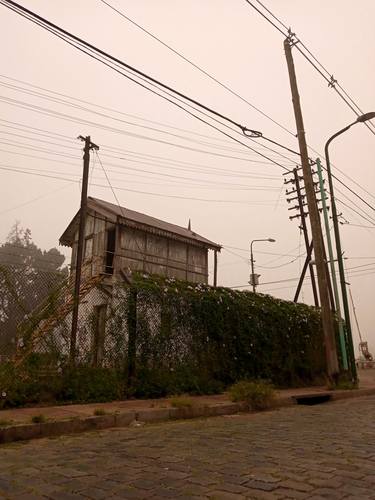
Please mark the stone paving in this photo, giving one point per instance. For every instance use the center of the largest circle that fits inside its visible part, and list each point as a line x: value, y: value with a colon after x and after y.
x: 325, y: 451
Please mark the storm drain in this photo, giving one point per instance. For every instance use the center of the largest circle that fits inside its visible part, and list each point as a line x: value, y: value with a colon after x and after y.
x: 312, y: 399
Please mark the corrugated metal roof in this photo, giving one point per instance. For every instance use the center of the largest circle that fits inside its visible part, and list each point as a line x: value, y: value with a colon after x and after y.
x: 145, y: 220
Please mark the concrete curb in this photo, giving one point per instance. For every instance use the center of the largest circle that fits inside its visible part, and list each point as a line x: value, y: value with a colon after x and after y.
x: 356, y: 393
x: 24, y: 432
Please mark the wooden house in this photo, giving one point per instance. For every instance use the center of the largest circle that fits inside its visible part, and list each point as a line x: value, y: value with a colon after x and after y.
x: 119, y: 241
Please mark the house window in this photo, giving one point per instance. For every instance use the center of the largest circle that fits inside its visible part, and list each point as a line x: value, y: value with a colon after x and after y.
x: 110, y: 252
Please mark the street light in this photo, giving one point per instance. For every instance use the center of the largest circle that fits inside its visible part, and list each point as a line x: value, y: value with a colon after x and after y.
x: 360, y: 119
x: 254, y: 277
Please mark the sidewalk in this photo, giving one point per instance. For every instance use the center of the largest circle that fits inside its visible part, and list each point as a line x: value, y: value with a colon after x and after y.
x: 16, y: 424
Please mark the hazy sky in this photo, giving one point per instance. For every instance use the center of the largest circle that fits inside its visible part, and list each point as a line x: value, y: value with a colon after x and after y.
x: 237, y: 46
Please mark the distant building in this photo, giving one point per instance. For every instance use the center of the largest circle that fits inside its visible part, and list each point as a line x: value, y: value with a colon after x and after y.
x: 119, y: 241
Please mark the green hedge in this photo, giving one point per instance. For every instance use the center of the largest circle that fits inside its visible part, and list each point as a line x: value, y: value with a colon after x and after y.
x: 200, y: 337
x: 169, y: 337
x: 30, y: 384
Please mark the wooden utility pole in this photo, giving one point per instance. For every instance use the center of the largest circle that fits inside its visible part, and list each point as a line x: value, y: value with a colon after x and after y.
x: 81, y: 237
x: 316, y: 230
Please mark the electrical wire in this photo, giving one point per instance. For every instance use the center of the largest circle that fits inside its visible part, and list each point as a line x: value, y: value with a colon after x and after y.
x: 215, y: 79
x: 207, y: 186
x: 147, y: 156
x: 61, y: 154
x: 33, y: 200
x: 227, y: 247
x: 280, y: 265
x: 354, y: 210
x: 38, y: 140
x: 78, y: 43
x: 103, y: 115
x: 57, y: 30
x: 38, y: 20
x: 64, y: 137
x: 109, y: 183
x: 162, y: 174
x: 358, y: 225
x: 189, y: 61
x: 159, y: 195
x: 364, y: 201
x: 330, y: 80
x: 353, y: 192
x: 112, y: 110
x: 73, y: 119
x: 124, y: 167
x: 287, y: 280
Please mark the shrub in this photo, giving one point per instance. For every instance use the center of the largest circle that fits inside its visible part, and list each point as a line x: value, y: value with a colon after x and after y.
x: 160, y: 382
x: 98, y: 412
x: 181, y: 402
x: 87, y: 383
x: 38, y: 419
x: 5, y: 423
x: 258, y: 395
x: 36, y: 381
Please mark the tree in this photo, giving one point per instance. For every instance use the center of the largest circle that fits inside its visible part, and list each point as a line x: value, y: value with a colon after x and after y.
x: 28, y: 274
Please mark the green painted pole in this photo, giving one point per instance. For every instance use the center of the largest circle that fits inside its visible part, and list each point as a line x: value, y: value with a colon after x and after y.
x: 333, y: 270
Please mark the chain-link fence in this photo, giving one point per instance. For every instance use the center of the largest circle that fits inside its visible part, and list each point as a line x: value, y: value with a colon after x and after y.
x: 149, y: 338
x: 25, y: 292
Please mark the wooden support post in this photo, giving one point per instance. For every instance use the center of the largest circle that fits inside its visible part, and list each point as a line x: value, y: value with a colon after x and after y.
x: 215, y: 268
x: 80, y: 246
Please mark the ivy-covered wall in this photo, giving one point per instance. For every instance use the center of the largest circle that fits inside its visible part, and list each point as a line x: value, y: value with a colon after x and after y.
x: 162, y: 336
x: 198, y: 338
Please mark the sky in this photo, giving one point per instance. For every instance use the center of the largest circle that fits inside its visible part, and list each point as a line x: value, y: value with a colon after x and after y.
x: 164, y: 162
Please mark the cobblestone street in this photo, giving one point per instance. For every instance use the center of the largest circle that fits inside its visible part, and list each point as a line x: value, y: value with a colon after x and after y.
x: 314, y: 452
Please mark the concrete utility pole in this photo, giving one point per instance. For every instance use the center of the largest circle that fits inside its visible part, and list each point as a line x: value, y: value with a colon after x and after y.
x: 81, y: 235
x: 360, y: 119
x: 332, y: 266
x: 316, y: 230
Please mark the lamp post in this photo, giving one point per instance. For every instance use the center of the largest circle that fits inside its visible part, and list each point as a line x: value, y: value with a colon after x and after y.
x: 253, y: 276
x: 360, y: 119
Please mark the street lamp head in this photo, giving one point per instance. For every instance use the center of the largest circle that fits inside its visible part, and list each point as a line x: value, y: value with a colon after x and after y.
x: 366, y: 117
x: 271, y: 240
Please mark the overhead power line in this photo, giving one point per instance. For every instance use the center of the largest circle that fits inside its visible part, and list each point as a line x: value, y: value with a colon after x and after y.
x: 126, y: 122
x: 174, y: 167
x: 179, y: 54
x: 288, y: 280
x: 79, y: 120
x: 197, y: 182
x: 358, y: 225
x: 152, y: 128
x: 78, y: 43
x: 332, y: 82
x: 106, y: 108
x: 37, y: 198
x: 158, y: 195
x: 74, y: 119
x: 196, y: 66
x: 57, y: 30
x: 113, y: 63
